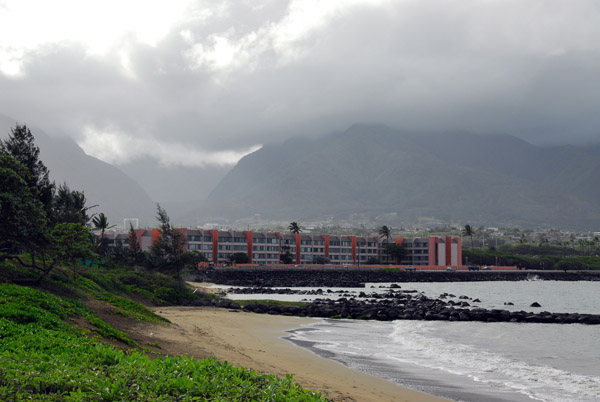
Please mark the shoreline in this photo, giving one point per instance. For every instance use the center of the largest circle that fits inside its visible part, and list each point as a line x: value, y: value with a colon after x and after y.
x: 257, y: 341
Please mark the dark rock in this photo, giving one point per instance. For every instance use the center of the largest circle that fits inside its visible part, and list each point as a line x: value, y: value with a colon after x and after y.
x: 464, y: 316
x: 533, y: 318
x: 223, y: 303
x: 404, y: 304
x: 331, y: 277
x: 535, y: 304
x: 590, y: 319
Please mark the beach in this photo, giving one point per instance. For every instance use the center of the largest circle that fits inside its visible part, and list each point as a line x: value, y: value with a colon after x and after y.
x: 256, y: 341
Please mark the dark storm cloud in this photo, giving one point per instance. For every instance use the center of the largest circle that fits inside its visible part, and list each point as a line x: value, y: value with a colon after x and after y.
x: 251, y: 75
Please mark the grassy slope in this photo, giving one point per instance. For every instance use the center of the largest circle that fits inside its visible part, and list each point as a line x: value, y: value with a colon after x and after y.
x: 55, y: 348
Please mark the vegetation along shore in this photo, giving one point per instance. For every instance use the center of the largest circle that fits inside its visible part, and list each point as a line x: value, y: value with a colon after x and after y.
x: 65, y: 335
x: 81, y: 321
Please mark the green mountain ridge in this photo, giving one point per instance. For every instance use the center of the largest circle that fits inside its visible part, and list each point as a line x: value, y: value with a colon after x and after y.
x: 455, y: 176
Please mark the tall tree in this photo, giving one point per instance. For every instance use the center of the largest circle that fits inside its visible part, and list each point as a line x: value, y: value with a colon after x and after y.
x: 21, y: 145
x: 385, y: 233
x: 67, y: 243
x: 100, y: 222
x: 72, y: 243
x: 70, y: 206
x: 468, y: 231
x: 167, y: 252
x: 295, y: 228
x: 23, y: 224
x: 136, y: 255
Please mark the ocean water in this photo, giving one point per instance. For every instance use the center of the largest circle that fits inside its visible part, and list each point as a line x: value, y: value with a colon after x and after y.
x: 466, y: 361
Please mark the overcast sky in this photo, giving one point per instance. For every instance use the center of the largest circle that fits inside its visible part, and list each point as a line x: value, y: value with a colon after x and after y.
x: 197, y: 82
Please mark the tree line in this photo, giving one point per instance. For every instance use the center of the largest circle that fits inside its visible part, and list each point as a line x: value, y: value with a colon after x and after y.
x: 43, y: 225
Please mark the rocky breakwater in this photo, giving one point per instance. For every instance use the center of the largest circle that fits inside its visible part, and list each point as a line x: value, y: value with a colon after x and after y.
x: 354, y: 277
x: 409, y: 305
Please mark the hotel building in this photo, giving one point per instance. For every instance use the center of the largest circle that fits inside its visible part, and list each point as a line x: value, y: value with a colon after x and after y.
x: 267, y: 248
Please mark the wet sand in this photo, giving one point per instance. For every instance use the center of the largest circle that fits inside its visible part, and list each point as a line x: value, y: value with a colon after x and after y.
x: 256, y: 341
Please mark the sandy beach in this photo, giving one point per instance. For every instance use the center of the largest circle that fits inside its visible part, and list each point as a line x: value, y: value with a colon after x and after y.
x: 255, y: 341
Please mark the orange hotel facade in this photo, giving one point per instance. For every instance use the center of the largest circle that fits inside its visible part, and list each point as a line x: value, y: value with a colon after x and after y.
x: 267, y: 247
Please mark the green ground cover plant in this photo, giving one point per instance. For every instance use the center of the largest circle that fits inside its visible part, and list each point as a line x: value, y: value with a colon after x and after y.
x: 43, y: 358
x: 131, y: 309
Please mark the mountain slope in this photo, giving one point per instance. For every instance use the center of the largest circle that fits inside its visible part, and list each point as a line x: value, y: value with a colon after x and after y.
x: 117, y: 195
x: 372, y: 170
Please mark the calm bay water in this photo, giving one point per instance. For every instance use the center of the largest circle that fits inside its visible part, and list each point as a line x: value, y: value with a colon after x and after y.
x: 466, y: 361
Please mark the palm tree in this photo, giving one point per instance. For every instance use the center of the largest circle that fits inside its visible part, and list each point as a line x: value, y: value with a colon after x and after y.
x: 100, y: 222
x: 385, y: 232
x: 468, y: 231
x: 295, y: 228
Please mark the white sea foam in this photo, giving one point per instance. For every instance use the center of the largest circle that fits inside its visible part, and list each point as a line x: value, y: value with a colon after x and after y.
x: 475, y: 361
x: 415, y: 344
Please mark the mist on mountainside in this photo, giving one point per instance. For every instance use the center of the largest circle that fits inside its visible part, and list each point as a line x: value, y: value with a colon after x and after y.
x: 174, y: 183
